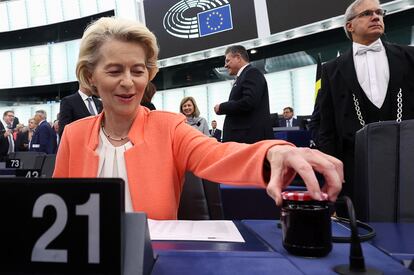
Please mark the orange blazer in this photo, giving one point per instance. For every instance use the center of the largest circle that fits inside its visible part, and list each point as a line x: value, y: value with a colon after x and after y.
x: 164, y: 147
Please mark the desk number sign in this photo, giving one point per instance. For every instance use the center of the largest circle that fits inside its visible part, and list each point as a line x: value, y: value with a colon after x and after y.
x: 61, y: 226
x: 13, y: 163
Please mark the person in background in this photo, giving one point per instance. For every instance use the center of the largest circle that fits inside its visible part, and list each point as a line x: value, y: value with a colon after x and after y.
x: 214, y: 132
x: 6, y: 135
x: 44, y: 138
x: 151, y: 150
x: 15, y: 122
x: 148, y: 95
x: 288, y: 120
x: 23, y: 139
x: 76, y: 106
x: 188, y: 107
x: 247, y: 110
x: 56, y: 127
x: 373, y: 81
x: 193, y: 186
x: 18, y: 129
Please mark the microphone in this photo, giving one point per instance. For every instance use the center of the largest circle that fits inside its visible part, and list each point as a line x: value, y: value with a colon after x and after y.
x: 356, y: 258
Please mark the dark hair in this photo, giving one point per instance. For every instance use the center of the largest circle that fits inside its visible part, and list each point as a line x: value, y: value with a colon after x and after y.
x: 149, y: 93
x: 288, y: 108
x: 238, y: 49
x: 8, y: 111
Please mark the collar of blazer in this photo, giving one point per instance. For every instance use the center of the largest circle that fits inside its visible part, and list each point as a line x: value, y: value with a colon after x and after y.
x: 136, y: 132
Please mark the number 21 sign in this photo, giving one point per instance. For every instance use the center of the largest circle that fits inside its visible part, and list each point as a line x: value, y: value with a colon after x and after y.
x: 61, y: 225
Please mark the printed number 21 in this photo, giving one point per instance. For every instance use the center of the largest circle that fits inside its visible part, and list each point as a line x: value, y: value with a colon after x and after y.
x: 90, y: 209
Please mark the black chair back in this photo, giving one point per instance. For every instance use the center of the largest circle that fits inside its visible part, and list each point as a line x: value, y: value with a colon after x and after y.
x: 200, y: 200
x: 48, y: 165
x: 384, y: 156
x: 29, y: 160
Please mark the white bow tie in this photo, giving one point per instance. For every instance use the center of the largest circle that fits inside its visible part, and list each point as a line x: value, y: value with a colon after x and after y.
x: 376, y: 47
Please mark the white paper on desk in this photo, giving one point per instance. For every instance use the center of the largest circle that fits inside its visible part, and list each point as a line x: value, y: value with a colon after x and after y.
x: 215, y: 231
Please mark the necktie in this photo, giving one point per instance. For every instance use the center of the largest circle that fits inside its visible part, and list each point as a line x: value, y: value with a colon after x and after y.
x: 288, y: 123
x: 375, y: 47
x: 213, y: 131
x: 90, y: 107
x: 11, y: 143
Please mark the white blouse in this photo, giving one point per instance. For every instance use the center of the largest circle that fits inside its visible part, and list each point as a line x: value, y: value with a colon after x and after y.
x: 112, y: 164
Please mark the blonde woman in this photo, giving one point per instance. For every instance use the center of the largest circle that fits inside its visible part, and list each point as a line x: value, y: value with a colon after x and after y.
x: 188, y: 107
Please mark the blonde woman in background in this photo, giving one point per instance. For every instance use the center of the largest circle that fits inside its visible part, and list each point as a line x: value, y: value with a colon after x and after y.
x: 188, y: 107
x: 25, y: 136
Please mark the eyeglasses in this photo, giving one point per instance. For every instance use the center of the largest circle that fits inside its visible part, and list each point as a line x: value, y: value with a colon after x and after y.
x: 369, y: 13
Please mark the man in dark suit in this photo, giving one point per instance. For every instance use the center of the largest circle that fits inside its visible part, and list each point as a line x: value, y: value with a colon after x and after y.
x: 214, y: 132
x: 371, y: 82
x: 76, y: 106
x: 6, y: 135
x: 247, y: 110
x: 288, y: 119
x: 44, y: 137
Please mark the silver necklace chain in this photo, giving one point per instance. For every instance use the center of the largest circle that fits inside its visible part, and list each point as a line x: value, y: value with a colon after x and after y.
x: 361, y: 118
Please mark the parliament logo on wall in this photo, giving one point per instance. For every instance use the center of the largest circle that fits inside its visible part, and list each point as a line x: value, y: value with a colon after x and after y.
x: 188, y: 26
x: 215, y: 17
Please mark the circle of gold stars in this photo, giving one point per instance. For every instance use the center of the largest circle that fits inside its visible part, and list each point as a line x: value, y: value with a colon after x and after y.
x: 215, y: 28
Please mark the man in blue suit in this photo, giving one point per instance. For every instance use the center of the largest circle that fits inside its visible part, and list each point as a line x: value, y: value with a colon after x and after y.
x: 44, y: 137
x: 288, y: 119
x: 214, y: 132
x: 247, y: 110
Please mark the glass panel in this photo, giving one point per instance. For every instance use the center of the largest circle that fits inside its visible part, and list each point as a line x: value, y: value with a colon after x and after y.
x: 217, y: 93
x: 6, y: 69
x: 24, y: 113
x: 58, y: 66
x: 55, y: 106
x: 21, y: 67
x: 36, y: 13
x: 54, y: 11
x: 172, y: 99
x: 126, y: 9
x: 200, y: 95
x: 72, y: 51
x: 70, y: 9
x: 105, y: 5
x: 412, y: 36
x: 280, y: 91
x: 88, y: 7
x: 157, y: 100
x: 40, y: 65
x: 17, y: 14
x: 4, y: 18
x: 304, y: 89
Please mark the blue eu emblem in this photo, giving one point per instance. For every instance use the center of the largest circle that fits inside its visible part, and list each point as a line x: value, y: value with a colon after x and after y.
x: 215, y: 20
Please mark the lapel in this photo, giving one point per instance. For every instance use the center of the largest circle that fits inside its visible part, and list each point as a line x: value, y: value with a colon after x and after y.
x: 236, y: 85
x: 396, y: 68
x: 347, y: 70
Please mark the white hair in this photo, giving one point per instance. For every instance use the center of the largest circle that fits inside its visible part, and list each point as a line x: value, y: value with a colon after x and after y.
x: 42, y: 113
x: 350, y: 13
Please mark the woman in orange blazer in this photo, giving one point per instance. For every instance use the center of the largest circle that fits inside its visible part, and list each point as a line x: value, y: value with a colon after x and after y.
x: 151, y: 150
